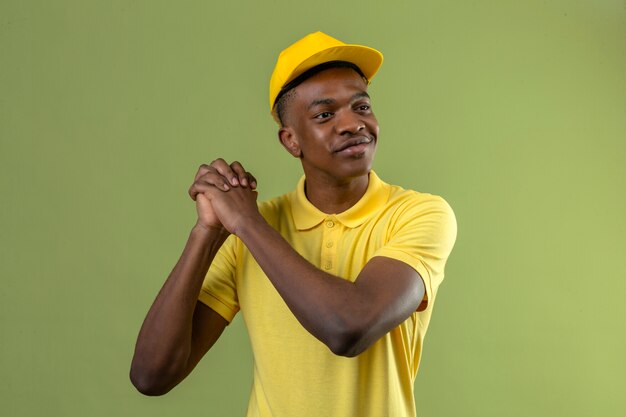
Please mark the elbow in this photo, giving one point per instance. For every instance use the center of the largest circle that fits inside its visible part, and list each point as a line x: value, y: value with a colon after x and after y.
x: 349, y: 342
x: 148, y: 382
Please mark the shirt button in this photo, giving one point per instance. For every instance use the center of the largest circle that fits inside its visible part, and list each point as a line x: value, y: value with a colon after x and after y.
x: 328, y: 265
x: 329, y: 244
x: 330, y: 223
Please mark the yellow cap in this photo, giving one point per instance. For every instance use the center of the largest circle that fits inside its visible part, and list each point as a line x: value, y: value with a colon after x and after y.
x: 318, y: 48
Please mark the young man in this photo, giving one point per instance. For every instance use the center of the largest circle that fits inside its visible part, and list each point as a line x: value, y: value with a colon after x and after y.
x: 336, y: 280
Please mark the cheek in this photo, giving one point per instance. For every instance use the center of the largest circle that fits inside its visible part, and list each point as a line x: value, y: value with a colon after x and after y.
x: 315, y: 135
x: 373, y: 125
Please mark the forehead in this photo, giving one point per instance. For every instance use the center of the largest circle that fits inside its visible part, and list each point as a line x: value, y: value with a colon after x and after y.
x: 334, y: 83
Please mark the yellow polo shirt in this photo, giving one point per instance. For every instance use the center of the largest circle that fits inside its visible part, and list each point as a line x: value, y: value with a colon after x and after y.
x: 294, y: 373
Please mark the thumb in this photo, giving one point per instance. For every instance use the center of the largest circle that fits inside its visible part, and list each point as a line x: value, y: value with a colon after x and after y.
x: 202, y: 201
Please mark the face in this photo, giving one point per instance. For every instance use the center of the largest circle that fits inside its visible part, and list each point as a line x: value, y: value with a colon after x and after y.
x: 331, y: 127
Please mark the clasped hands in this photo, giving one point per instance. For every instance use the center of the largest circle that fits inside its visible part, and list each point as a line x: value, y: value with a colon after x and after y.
x: 225, y: 196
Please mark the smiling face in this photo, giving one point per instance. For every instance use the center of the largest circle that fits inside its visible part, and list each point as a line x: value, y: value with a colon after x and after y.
x: 329, y: 124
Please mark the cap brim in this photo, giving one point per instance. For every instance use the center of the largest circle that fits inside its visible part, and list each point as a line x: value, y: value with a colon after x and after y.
x: 367, y: 59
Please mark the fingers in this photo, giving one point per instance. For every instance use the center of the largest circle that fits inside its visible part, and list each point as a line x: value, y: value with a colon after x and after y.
x: 251, y: 180
x: 206, y: 178
x: 204, y: 168
x: 206, y: 184
x: 228, y: 171
x: 234, y: 173
x: 245, y: 178
x: 221, y: 175
x: 240, y: 174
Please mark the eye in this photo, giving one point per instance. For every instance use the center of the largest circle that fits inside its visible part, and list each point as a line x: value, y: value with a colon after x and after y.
x: 363, y: 107
x: 323, y: 115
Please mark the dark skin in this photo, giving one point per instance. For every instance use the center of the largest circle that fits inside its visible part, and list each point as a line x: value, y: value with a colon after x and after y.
x: 330, y: 126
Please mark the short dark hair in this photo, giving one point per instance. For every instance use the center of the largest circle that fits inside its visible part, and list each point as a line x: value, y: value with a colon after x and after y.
x: 287, y: 93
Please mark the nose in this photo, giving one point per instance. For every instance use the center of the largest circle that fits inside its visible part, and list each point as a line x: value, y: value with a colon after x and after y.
x: 349, y: 122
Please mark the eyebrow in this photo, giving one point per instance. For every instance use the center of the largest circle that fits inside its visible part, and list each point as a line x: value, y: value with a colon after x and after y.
x: 326, y: 101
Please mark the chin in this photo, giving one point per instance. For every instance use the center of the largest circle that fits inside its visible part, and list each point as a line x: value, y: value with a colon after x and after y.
x: 357, y: 169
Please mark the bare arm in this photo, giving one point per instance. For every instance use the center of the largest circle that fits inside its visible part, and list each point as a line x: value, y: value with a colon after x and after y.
x: 178, y: 330
x: 346, y: 316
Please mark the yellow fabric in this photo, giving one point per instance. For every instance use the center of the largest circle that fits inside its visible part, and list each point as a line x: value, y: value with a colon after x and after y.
x: 318, y: 48
x: 294, y: 373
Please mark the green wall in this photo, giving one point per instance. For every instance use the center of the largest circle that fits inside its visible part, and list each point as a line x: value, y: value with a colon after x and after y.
x: 514, y: 111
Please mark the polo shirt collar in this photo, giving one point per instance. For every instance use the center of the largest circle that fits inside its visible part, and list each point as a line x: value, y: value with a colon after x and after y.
x: 306, y: 215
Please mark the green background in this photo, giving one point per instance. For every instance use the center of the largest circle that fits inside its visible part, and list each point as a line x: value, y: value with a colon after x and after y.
x: 514, y: 111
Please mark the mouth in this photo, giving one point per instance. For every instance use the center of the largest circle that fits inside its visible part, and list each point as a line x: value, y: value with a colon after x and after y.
x: 356, y: 144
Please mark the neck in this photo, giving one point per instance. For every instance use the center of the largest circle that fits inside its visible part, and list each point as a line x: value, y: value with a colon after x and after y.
x: 332, y: 196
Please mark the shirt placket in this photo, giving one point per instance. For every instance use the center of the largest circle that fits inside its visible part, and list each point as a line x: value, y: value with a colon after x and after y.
x: 329, y: 244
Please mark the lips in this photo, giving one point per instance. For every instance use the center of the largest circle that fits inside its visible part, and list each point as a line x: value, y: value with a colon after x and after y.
x: 359, y: 140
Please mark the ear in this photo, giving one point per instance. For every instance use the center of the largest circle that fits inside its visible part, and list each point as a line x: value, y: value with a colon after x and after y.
x: 289, y: 140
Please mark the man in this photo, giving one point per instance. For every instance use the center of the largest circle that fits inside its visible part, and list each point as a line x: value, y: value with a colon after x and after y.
x: 336, y: 280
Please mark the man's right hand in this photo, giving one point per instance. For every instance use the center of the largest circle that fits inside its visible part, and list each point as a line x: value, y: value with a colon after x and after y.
x: 218, y: 174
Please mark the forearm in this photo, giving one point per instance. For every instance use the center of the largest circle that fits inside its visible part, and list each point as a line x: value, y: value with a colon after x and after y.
x: 334, y: 310
x: 346, y: 316
x: 165, y: 339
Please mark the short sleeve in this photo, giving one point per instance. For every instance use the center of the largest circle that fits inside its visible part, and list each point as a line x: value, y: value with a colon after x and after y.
x: 422, y: 235
x: 219, y: 291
